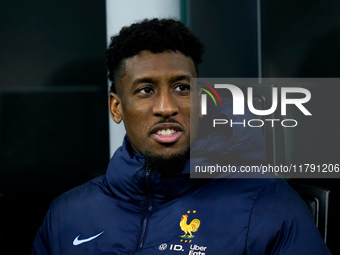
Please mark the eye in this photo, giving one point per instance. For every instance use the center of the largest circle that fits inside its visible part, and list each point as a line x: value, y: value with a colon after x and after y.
x: 145, y: 90
x: 182, y: 88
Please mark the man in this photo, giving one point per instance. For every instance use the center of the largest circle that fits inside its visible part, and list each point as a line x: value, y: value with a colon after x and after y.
x: 147, y: 203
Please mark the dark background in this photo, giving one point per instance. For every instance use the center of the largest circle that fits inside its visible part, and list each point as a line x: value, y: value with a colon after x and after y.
x: 302, y: 39
x: 53, y: 91
x: 53, y: 108
x: 298, y: 39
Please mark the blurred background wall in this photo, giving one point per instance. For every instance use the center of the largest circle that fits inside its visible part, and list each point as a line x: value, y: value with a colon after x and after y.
x: 53, y: 108
x: 54, y: 127
x: 302, y: 39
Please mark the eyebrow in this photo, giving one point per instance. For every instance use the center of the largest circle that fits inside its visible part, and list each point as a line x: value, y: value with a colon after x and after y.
x: 181, y: 77
x: 143, y: 80
x: 151, y: 80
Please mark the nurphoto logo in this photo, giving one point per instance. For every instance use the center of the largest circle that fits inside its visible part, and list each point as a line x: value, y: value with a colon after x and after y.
x: 238, y: 103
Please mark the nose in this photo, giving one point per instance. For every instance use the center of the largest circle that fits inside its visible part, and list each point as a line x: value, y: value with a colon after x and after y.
x: 165, y: 106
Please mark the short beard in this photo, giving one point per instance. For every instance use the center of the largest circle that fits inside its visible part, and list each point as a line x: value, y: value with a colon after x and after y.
x: 166, y: 166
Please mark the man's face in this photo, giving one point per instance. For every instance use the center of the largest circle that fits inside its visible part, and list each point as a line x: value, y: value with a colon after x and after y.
x: 153, y: 100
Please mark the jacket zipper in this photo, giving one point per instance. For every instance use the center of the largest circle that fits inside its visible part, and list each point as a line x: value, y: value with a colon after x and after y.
x: 149, y: 208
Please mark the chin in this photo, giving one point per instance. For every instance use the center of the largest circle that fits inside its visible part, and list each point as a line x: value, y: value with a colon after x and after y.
x: 167, y: 164
x: 168, y: 153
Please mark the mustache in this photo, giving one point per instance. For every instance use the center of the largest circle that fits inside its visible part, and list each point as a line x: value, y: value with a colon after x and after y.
x: 167, y: 120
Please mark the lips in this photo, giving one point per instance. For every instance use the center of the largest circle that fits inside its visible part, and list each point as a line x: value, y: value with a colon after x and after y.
x: 166, y: 132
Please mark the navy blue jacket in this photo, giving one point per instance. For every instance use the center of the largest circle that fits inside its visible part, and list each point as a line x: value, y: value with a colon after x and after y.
x: 132, y: 211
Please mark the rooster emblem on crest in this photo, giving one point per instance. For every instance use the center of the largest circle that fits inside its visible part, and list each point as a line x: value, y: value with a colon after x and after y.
x: 189, y: 228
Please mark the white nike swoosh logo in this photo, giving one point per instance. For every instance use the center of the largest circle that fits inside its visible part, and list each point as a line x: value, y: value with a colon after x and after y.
x: 76, y: 241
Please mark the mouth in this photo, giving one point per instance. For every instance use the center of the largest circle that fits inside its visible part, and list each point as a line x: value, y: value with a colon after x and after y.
x: 166, y: 132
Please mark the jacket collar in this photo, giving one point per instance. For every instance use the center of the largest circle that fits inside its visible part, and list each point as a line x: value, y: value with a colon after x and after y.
x: 126, y: 178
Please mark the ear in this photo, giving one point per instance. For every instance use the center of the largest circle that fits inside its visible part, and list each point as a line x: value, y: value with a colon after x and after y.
x: 115, y: 108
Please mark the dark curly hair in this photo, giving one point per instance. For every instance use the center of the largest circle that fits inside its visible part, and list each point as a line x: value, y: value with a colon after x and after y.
x: 155, y: 35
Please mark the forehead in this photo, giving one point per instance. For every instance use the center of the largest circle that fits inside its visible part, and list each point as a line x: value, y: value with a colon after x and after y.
x: 165, y: 64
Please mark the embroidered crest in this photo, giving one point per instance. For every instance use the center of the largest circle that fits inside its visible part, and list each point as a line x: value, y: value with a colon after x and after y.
x: 189, y: 228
